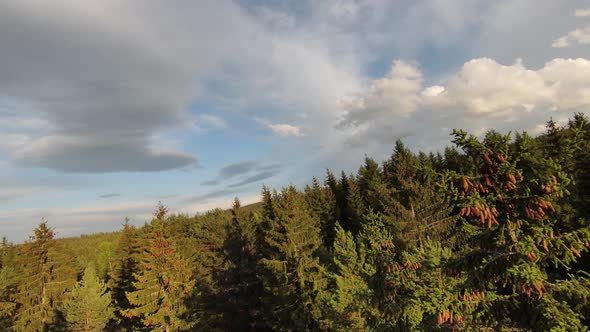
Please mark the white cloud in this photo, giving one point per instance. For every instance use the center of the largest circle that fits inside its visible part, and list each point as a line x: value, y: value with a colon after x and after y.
x: 579, y: 36
x: 561, y: 42
x: 395, y: 94
x: 485, y: 86
x: 433, y: 91
x: 483, y: 94
x: 122, y: 100
x: 584, y: 12
x: 281, y: 128
x: 286, y: 130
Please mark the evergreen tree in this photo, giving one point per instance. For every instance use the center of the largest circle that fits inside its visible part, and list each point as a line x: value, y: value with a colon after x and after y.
x: 508, y: 207
x: 121, y: 277
x: 322, y: 205
x: 162, y: 284
x: 241, y: 284
x: 7, y: 283
x: 104, y: 263
x: 268, y: 216
x: 349, y: 304
x: 371, y: 186
x: 292, y: 274
x: 88, y: 305
x: 7, y: 289
x: 43, y: 278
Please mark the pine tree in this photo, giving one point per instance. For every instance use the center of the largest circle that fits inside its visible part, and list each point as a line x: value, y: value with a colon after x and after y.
x: 162, y: 284
x: 292, y: 274
x: 88, y: 304
x: 44, y: 276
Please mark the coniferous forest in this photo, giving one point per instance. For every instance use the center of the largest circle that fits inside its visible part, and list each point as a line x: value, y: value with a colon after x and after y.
x: 490, y: 234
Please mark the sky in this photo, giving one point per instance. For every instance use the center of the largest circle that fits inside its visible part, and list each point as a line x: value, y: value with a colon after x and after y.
x: 108, y: 106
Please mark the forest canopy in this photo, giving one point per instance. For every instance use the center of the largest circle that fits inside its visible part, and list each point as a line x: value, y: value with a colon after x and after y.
x: 492, y: 233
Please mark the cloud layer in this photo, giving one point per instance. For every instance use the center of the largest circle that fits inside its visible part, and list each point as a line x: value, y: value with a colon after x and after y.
x: 483, y: 94
x: 105, y: 76
x: 102, y: 86
x: 246, y: 172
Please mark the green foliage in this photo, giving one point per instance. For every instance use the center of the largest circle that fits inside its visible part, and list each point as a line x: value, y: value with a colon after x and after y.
x: 508, y: 207
x: 240, y: 284
x: 104, y: 259
x: 162, y: 283
x: 88, y: 305
x: 349, y: 302
x: 43, y: 277
x: 123, y: 266
x: 7, y: 289
x: 292, y: 274
x: 490, y: 235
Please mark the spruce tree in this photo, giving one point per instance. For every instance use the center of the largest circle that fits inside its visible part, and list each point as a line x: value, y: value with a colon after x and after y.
x: 322, y: 205
x: 105, y: 258
x: 7, y: 283
x: 371, y: 186
x: 241, y: 285
x: 268, y: 215
x: 292, y: 274
x: 349, y: 305
x: 124, y: 266
x: 510, y: 213
x: 7, y: 289
x: 43, y: 277
x: 88, y: 305
x: 162, y: 284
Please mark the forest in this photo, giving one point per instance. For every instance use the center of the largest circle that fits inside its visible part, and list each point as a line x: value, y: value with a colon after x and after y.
x: 490, y: 234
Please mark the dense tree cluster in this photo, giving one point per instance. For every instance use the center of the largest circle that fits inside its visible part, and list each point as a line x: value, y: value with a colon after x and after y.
x: 493, y: 234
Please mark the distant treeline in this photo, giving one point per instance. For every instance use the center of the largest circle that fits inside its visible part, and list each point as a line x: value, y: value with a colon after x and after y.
x: 491, y: 234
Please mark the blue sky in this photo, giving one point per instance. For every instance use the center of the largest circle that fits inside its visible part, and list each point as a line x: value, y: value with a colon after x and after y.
x: 107, y: 107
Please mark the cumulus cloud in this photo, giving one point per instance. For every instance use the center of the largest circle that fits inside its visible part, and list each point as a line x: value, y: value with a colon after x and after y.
x: 483, y: 94
x: 395, y: 94
x: 485, y: 86
x: 561, y: 42
x: 579, y: 36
